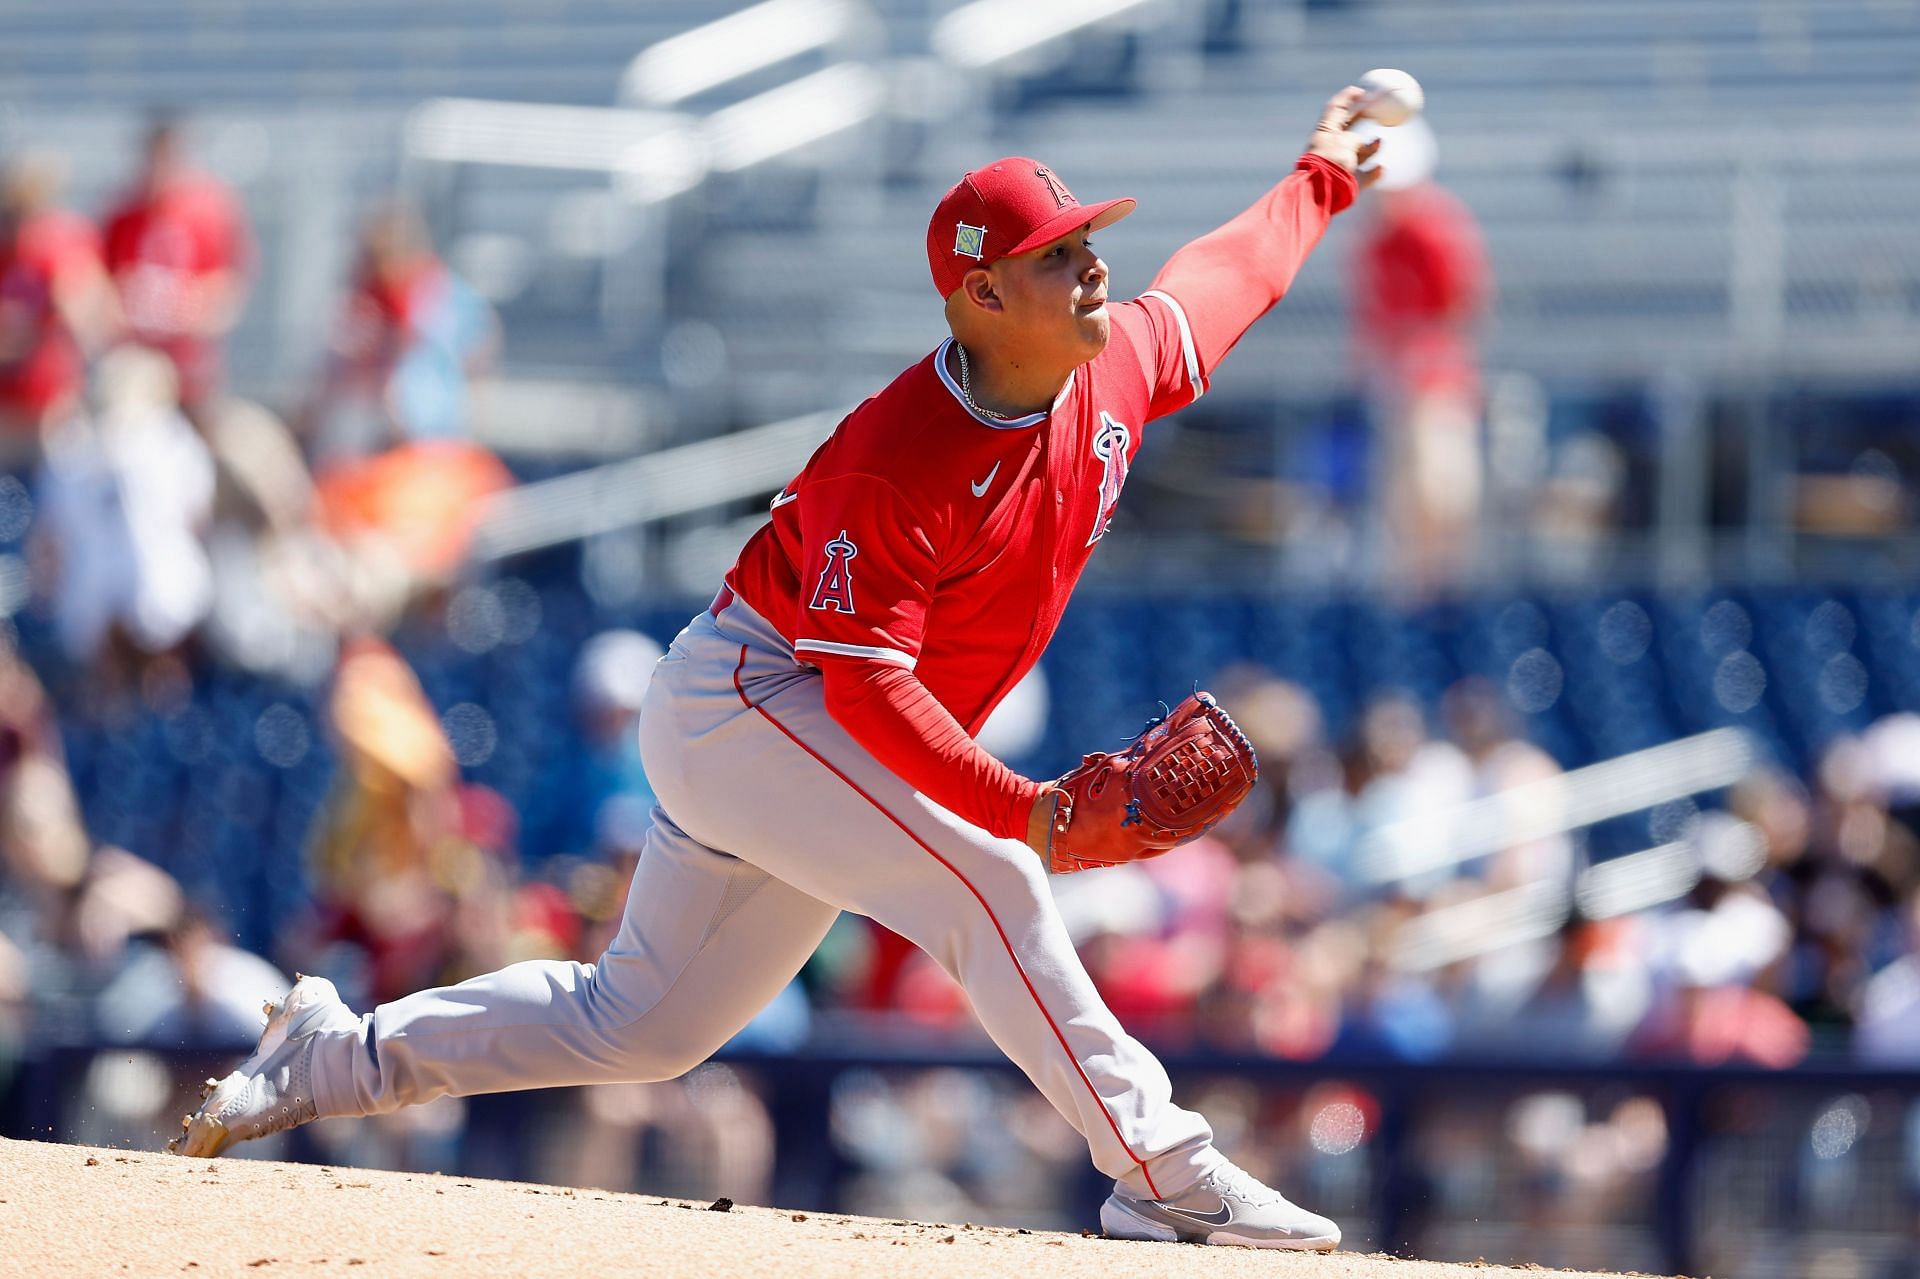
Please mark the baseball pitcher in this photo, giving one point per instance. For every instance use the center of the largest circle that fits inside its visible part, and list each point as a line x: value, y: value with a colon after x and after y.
x: 811, y: 736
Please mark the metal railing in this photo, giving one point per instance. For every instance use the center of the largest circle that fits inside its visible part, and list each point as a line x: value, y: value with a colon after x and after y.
x: 653, y: 487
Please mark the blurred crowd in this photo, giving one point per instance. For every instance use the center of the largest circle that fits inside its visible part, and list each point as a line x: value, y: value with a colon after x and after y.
x: 162, y: 527
x: 1786, y: 926
x: 170, y: 515
x: 158, y: 529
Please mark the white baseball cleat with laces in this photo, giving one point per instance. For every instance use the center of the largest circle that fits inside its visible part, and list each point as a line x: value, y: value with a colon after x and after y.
x: 272, y: 1090
x: 1226, y: 1206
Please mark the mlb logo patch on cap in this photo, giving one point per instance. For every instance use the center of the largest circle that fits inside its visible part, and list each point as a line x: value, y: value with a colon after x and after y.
x: 970, y: 240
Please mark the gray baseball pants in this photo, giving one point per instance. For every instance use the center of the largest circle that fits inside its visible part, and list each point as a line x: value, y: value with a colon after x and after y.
x: 772, y: 821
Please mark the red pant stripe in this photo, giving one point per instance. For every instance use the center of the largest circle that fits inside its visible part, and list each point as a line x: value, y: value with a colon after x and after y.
x: 1017, y: 967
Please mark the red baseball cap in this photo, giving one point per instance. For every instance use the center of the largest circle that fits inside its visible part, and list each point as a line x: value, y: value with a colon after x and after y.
x: 1011, y: 206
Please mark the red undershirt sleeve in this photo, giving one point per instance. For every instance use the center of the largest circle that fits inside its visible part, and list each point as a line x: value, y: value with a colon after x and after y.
x: 1230, y: 277
x: 886, y: 708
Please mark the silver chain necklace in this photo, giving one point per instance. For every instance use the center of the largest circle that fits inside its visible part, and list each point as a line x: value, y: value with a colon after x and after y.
x: 966, y: 390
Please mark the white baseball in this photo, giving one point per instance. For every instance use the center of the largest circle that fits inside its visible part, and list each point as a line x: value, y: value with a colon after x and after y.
x: 1393, y: 97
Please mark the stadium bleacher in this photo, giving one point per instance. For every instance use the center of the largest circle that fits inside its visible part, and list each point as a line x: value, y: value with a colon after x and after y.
x: 1655, y: 182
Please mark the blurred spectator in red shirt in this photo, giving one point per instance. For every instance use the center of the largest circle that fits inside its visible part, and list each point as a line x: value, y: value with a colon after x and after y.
x: 409, y: 338
x: 180, y: 252
x: 1423, y: 284
x: 54, y: 306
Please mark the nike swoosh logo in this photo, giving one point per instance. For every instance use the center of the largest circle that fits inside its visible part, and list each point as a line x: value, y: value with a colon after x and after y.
x: 980, y: 489
x: 781, y: 501
x: 1222, y: 1216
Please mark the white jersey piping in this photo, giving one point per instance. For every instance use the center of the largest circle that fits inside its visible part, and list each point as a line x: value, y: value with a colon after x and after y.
x: 1186, y: 341
x: 894, y: 655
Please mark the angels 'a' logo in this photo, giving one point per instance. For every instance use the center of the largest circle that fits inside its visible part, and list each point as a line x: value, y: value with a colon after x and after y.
x: 1110, y: 445
x: 1061, y: 196
x: 835, y: 590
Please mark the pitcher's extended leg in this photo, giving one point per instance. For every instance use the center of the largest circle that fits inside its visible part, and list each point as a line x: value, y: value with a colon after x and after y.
x: 706, y: 942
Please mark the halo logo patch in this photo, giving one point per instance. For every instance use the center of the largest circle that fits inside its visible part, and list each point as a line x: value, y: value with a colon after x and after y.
x: 834, y: 592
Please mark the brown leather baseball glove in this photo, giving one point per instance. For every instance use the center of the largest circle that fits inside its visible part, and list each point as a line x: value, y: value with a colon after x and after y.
x: 1183, y: 773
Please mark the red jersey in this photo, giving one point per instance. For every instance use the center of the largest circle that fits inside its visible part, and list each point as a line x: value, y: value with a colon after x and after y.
x: 924, y: 556
x: 40, y: 361
x: 159, y: 250
x: 929, y: 536
x: 1423, y: 281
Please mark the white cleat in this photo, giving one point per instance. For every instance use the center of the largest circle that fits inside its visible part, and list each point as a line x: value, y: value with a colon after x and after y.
x: 272, y: 1090
x: 1226, y: 1206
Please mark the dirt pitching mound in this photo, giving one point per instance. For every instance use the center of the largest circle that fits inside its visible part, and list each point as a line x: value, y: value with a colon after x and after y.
x: 74, y: 1210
